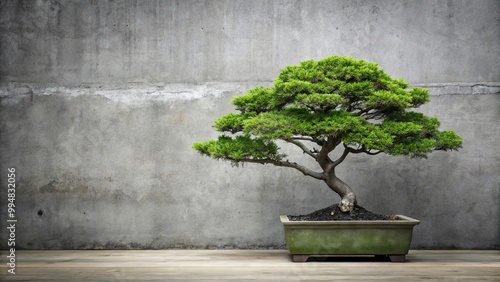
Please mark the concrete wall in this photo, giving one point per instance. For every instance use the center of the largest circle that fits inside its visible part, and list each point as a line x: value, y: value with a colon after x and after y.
x: 75, y: 42
x: 100, y: 102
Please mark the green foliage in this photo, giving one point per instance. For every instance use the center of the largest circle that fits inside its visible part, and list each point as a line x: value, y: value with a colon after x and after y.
x: 299, y: 122
x: 256, y: 100
x: 352, y: 101
x: 318, y: 102
x: 448, y: 140
x: 232, y: 122
x: 239, y: 147
x: 370, y: 136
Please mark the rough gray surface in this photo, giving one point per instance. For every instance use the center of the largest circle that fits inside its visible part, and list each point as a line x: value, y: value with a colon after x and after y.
x: 100, y: 102
x: 74, y: 42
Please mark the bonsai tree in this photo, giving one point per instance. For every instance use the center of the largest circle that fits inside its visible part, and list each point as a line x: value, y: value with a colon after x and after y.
x: 318, y: 106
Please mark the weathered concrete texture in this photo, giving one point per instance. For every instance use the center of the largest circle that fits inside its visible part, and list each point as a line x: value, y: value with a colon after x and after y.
x: 74, y: 42
x: 100, y: 102
x: 94, y: 172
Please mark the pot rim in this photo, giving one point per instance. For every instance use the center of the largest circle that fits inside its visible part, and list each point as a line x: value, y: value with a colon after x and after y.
x: 401, y: 220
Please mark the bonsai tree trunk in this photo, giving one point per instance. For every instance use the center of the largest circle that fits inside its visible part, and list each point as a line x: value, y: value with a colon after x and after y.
x: 348, y: 198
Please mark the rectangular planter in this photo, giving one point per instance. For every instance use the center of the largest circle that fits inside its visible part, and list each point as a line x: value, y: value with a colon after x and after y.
x: 378, y: 237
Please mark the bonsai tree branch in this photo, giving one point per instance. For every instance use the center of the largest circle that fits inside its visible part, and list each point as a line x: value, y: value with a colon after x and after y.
x: 323, y: 159
x: 303, y: 169
x: 342, y: 157
x: 305, y: 138
x: 362, y: 149
x: 304, y: 148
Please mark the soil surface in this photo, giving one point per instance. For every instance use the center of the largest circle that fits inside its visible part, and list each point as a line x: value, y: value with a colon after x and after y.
x: 334, y: 213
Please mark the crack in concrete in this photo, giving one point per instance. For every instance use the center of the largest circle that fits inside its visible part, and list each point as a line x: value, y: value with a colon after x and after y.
x: 136, y: 93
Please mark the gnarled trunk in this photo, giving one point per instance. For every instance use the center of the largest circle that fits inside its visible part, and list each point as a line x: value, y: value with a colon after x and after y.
x: 348, y: 198
x: 338, y: 186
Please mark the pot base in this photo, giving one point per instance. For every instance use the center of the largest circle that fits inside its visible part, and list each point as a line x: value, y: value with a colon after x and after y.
x: 392, y: 258
x: 387, y: 238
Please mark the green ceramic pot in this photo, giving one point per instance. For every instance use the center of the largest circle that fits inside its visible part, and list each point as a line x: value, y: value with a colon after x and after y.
x: 378, y: 237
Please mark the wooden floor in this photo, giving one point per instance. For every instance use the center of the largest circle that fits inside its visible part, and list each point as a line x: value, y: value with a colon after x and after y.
x: 245, y: 265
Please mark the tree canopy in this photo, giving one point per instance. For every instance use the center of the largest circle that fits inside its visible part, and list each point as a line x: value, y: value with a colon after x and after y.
x: 337, y: 99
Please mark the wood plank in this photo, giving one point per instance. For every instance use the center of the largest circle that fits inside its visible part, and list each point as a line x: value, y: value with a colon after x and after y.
x: 245, y: 265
